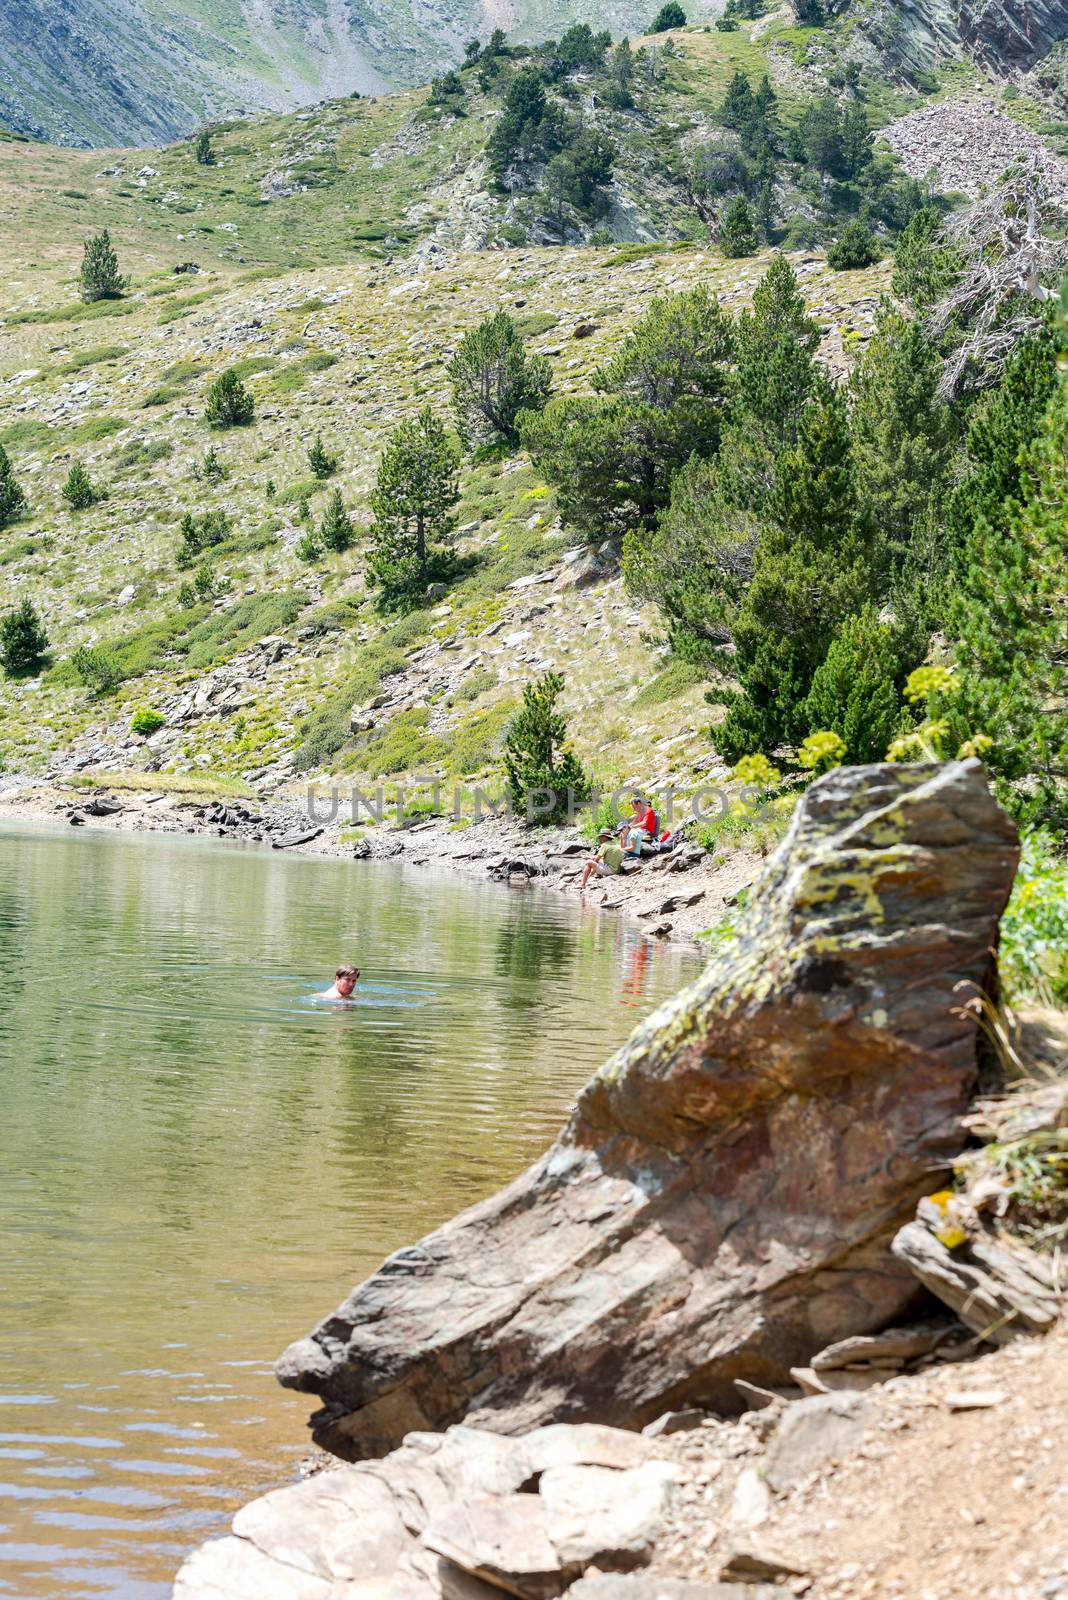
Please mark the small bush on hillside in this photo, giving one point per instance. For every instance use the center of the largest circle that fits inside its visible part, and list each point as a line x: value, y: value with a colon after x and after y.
x: 23, y: 641
x: 229, y: 403
x: 200, y: 534
x: 545, y: 776
x: 12, y: 495
x: 146, y: 721
x: 96, y: 668
x: 100, y: 275
x: 856, y: 246
x: 205, y: 155
x: 1033, y: 951
x: 212, y: 469
x: 78, y: 491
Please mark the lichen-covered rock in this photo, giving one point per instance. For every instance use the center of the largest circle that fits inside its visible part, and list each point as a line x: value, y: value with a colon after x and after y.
x: 722, y: 1201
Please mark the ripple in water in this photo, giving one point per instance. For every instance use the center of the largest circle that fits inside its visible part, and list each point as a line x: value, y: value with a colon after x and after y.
x: 198, y: 1159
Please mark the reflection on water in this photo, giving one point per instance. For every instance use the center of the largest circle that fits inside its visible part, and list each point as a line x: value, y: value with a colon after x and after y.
x: 197, y: 1159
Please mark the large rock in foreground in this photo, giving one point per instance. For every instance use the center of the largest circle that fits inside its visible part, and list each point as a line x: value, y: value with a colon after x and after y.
x: 722, y: 1201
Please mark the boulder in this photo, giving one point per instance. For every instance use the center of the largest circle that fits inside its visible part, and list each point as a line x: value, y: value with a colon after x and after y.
x: 812, y: 1433
x: 722, y: 1201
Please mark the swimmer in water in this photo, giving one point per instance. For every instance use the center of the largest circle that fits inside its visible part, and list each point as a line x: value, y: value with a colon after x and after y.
x: 343, y: 985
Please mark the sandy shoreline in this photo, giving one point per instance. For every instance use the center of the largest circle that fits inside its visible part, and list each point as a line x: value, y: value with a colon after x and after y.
x: 673, y: 897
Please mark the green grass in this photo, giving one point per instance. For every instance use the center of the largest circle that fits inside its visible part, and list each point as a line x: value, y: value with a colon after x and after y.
x: 229, y: 632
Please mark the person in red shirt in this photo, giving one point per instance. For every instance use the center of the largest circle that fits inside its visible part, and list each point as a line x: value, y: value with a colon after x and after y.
x: 641, y: 829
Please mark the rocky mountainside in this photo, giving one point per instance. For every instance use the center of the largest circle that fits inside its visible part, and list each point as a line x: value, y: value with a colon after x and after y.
x: 134, y: 72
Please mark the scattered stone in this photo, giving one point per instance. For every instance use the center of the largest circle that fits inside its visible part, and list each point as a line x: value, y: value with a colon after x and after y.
x: 674, y: 1422
x: 290, y: 840
x: 974, y: 1399
x: 750, y: 1563
x: 813, y: 1432
x: 644, y: 1586
x: 899, y: 1344
x: 997, y: 1289
x: 751, y: 1501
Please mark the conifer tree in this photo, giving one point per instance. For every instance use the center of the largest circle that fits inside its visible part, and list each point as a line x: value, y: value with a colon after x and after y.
x: 544, y: 774
x: 903, y: 434
x: 856, y: 689
x: 737, y: 106
x: 669, y: 16
x: 13, y: 500
x: 493, y: 380
x: 775, y: 370
x: 412, y: 502
x: 321, y: 462
x: 229, y: 403
x: 23, y: 641
x: 205, y: 155
x: 100, y: 275
x: 335, y: 531
x: 737, y: 234
x: 856, y: 246
x: 78, y: 490
x: 1008, y: 614
x: 812, y: 569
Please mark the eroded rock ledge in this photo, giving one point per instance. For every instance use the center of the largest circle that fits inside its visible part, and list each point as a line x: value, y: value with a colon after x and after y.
x: 723, y: 1198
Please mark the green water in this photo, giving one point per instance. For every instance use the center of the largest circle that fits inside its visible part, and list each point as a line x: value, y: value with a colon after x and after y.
x: 197, y: 1161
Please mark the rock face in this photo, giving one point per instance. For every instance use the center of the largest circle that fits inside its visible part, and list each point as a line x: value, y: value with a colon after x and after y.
x: 723, y: 1198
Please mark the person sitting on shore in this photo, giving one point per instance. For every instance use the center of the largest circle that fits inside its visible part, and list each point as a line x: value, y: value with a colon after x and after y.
x: 606, y: 862
x: 343, y: 985
x: 641, y: 829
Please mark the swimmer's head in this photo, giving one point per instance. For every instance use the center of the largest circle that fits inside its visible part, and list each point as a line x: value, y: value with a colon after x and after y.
x: 345, y: 979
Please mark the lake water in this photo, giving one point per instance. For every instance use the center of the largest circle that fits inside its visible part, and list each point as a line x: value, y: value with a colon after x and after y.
x: 197, y: 1162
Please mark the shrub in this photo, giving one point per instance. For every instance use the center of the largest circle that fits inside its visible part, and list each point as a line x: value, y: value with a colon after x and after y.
x: 78, y: 490
x: 200, y: 534
x: 12, y: 495
x: 146, y: 721
x: 856, y: 246
x: 96, y: 668
x: 231, y: 631
x: 308, y: 548
x: 1033, y: 954
x: 544, y: 774
x: 100, y: 275
x: 205, y: 155
x: 229, y: 403
x: 23, y: 641
x: 212, y: 469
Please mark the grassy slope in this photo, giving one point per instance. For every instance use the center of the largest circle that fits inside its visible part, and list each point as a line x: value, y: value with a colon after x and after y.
x: 337, y: 340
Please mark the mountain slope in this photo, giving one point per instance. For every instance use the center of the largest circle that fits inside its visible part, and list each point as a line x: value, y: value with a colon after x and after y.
x: 129, y: 72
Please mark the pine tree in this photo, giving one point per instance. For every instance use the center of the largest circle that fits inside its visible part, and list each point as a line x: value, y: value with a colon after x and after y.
x: 321, y: 462
x: 903, y: 434
x: 737, y: 234
x: 1008, y: 614
x: 493, y: 380
x: 100, y: 275
x: 13, y: 500
x: 205, y: 155
x: 856, y: 246
x: 621, y: 73
x: 925, y: 265
x: 544, y: 774
x: 229, y: 403
x: 812, y: 569
x: 78, y: 490
x: 335, y: 531
x: 23, y: 641
x: 669, y: 16
x: 856, y: 689
x: 737, y: 106
x: 775, y: 371
x: 412, y: 502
